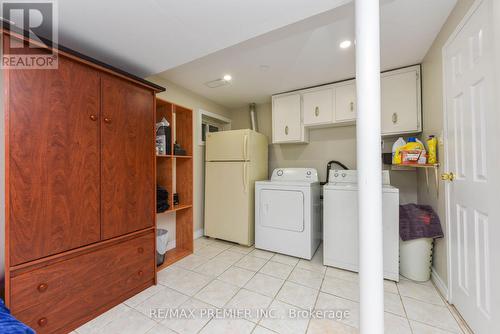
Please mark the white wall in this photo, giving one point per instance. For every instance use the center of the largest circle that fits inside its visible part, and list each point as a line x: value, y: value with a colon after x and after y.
x: 432, y: 96
x: 337, y: 143
x: 186, y: 98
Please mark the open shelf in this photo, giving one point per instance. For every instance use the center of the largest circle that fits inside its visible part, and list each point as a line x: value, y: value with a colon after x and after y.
x: 175, y: 174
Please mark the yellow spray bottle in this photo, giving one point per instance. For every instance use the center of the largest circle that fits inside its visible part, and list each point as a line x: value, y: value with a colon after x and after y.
x: 432, y: 146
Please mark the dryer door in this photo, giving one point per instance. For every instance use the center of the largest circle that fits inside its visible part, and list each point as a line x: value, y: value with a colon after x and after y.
x: 282, y: 209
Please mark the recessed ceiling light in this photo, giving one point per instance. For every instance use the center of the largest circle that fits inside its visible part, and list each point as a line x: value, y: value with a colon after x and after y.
x: 227, y: 77
x: 345, y: 44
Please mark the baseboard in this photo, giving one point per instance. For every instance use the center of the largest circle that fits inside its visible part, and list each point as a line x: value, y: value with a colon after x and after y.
x: 198, y: 233
x: 439, y: 283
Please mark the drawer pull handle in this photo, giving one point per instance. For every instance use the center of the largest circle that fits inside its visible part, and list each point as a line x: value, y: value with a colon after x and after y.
x: 140, y: 250
x: 394, y: 118
x: 352, y: 106
x: 140, y: 273
x: 42, y: 287
x: 316, y: 111
x: 286, y: 130
x: 107, y: 120
x: 93, y: 117
x: 42, y: 322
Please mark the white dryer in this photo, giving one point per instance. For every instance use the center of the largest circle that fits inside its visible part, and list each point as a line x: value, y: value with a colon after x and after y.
x: 287, y: 212
x: 340, y: 223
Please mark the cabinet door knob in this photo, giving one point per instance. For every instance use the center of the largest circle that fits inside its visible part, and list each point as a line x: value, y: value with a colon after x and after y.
x: 352, y: 106
x: 93, y: 117
x: 140, y: 250
x: 316, y: 111
x: 395, y: 118
x: 286, y: 130
x: 42, y: 322
x: 42, y: 287
x: 140, y: 273
x: 107, y: 120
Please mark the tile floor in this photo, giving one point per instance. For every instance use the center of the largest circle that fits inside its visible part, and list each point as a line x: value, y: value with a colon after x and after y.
x: 223, y: 276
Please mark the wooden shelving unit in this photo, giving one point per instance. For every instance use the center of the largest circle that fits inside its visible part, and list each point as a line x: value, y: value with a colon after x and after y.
x: 175, y: 173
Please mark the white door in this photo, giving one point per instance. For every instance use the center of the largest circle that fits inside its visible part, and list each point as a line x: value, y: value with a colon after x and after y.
x: 401, y: 103
x: 287, y: 119
x: 472, y: 139
x: 345, y: 102
x: 318, y: 107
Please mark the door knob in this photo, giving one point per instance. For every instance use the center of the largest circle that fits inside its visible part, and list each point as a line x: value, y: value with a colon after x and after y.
x: 448, y: 176
x: 42, y: 287
x: 42, y: 322
x: 107, y: 120
x: 93, y: 117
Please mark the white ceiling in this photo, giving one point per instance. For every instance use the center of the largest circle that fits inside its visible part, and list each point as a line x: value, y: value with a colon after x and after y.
x: 302, y: 54
x: 150, y: 36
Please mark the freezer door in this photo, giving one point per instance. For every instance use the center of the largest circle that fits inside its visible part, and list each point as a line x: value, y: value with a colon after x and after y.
x: 229, y: 209
x: 228, y: 146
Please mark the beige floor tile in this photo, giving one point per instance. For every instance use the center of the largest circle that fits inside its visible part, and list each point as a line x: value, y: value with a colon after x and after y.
x: 423, y: 292
x: 131, y: 322
x: 395, y: 324
x: 142, y: 296
x: 242, y: 249
x: 230, y: 256
x: 307, y: 278
x: 95, y: 325
x: 328, y: 302
x: 249, y: 300
x: 217, y: 293
x: 228, y: 326
x: 182, y: 280
x: 326, y: 326
x: 160, y: 329
x: 190, y: 262
x: 192, y: 322
x: 342, y: 274
x: 420, y: 328
x: 341, y: 288
x: 209, y: 251
x: 312, y: 266
x: 434, y: 315
x: 214, y: 267
x: 237, y: 276
x: 264, y: 284
x: 263, y: 254
x: 165, y: 299
x: 393, y: 304
x: 262, y: 330
x: 276, y: 269
x: 297, y: 295
x: 285, y: 259
x: 282, y: 322
x: 251, y: 263
x: 221, y: 244
x: 390, y: 286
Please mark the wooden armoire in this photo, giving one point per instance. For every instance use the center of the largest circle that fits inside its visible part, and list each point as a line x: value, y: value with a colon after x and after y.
x: 80, y: 190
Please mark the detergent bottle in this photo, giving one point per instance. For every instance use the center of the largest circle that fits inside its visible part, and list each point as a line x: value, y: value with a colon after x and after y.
x: 396, y: 157
x: 432, y: 146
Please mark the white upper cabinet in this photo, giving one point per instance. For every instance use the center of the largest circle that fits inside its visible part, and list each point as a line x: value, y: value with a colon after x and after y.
x: 345, y: 101
x: 288, y: 126
x: 335, y: 105
x: 401, y: 101
x: 318, y: 107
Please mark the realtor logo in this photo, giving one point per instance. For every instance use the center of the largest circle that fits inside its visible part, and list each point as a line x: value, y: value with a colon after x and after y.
x: 33, y: 34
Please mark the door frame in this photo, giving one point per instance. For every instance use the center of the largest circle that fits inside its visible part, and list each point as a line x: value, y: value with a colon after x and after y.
x: 446, y: 164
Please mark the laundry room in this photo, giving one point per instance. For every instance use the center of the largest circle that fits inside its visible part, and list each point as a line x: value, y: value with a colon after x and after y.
x: 254, y: 167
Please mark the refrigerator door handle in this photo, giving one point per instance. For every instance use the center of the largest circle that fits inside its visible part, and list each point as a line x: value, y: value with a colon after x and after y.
x: 245, y: 147
x: 245, y: 177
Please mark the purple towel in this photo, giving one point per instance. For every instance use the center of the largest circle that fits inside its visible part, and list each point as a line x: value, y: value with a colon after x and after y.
x: 418, y: 221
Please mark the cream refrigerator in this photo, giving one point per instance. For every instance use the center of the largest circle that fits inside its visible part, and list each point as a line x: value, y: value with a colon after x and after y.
x: 234, y: 161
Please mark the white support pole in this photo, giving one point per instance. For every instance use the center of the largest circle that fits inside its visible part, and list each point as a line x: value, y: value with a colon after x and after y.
x: 369, y: 167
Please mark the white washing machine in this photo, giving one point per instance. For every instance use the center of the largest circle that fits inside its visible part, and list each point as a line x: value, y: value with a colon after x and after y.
x: 287, y: 212
x: 340, y: 223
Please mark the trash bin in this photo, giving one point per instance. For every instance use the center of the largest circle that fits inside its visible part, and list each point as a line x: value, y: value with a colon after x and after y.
x: 161, y: 245
x: 416, y: 259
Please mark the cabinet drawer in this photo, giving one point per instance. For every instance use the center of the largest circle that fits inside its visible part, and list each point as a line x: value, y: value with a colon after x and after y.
x: 318, y: 107
x: 63, y: 292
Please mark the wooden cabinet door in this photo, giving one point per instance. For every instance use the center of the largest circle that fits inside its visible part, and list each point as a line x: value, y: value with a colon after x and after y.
x: 287, y: 119
x: 318, y: 107
x: 53, y: 160
x: 127, y: 169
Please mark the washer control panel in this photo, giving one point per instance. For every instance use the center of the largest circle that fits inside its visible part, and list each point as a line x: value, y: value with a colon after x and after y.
x: 295, y: 174
x: 351, y: 176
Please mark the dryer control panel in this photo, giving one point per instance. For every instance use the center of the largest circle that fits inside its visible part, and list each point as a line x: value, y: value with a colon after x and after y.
x: 295, y: 174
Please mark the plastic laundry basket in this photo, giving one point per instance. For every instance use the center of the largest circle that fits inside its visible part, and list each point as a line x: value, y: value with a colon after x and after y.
x: 161, y: 245
x: 415, y: 259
